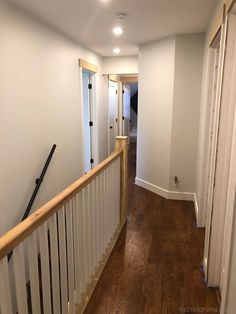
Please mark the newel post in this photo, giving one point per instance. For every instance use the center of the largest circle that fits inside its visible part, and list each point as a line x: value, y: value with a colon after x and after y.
x: 121, y: 143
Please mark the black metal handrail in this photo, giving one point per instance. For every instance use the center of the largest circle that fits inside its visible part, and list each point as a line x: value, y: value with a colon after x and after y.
x: 38, y: 182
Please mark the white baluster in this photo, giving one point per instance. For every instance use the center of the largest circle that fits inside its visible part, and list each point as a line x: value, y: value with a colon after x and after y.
x: 76, y: 227
x: 63, y: 263
x: 103, y: 189
x: 118, y: 192
x: 114, y: 195
x: 93, y: 226
x: 105, y: 209
x: 107, y: 206
x: 89, y: 234
x: 110, y: 195
x: 81, y: 242
x: 20, y: 280
x: 85, y: 236
x: 54, y: 264
x: 100, y: 217
x: 113, y: 209
x: 34, y: 273
x: 45, y: 272
x: 96, y: 220
x: 70, y: 256
x: 5, y: 289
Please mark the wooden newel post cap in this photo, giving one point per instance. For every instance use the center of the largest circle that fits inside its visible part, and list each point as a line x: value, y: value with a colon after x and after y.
x: 121, y: 142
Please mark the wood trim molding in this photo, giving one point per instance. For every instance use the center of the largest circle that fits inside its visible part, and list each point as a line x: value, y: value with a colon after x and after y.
x: 129, y: 79
x: 229, y: 5
x: 88, y: 66
x: 217, y: 23
x: 114, y: 78
x: 20, y: 232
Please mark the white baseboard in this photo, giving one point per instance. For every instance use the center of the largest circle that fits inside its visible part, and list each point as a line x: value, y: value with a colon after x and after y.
x: 151, y: 187
x: 181, y: 196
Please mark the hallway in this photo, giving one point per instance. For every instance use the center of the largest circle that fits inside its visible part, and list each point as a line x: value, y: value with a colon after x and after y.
x: 155, y: 265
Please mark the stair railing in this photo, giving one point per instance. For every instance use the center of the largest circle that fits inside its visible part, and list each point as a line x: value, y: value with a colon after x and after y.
x: 60, y: 250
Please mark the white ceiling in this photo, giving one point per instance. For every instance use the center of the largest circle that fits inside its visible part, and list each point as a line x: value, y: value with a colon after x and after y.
x: 90, y: 22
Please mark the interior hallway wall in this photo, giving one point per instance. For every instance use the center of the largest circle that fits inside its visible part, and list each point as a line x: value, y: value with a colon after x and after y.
x: 170, y: 78
x: 40, y: 105
x: 189, y: 52
x: 120, y: 65
x: 155, y: 106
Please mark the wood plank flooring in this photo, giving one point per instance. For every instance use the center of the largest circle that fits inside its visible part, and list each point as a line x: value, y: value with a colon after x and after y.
x: 155, y: 266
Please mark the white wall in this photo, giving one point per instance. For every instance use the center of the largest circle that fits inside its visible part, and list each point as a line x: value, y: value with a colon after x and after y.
x: 156, y: 88
x: 187, y: 97
x: 120, y: 65
x: 40, y: 105
x: 170, y: 77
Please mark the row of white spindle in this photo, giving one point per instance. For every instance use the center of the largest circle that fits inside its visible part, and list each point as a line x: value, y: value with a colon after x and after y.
x: 68, y: 248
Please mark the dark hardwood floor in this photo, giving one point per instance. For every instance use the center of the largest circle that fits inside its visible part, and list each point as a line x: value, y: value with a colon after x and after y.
x: 155, y: 266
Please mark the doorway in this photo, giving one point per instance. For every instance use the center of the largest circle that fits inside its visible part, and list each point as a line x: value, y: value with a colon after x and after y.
x: 130, y: 111
x: 87, y: 84
x: 123, y: 112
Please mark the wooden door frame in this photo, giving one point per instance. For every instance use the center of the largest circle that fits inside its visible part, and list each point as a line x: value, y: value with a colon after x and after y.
x: 210, y: 276
x: 217, y: 263
x: 92, y: 70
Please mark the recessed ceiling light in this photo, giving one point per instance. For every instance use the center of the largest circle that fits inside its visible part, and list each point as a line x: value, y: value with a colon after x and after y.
x: 117, y: 30
x: 116, y: 50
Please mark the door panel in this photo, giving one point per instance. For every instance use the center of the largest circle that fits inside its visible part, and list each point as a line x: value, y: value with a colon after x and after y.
x: 113, y: 115
x: 86, y: 119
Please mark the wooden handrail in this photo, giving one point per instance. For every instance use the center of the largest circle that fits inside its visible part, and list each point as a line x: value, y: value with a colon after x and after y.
x: 20, y: 232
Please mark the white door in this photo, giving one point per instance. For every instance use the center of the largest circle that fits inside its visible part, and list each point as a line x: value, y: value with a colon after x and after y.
x: 211, y: 156
x: 112, y: 115
x: 87, y: 134
x: 126, y: 111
